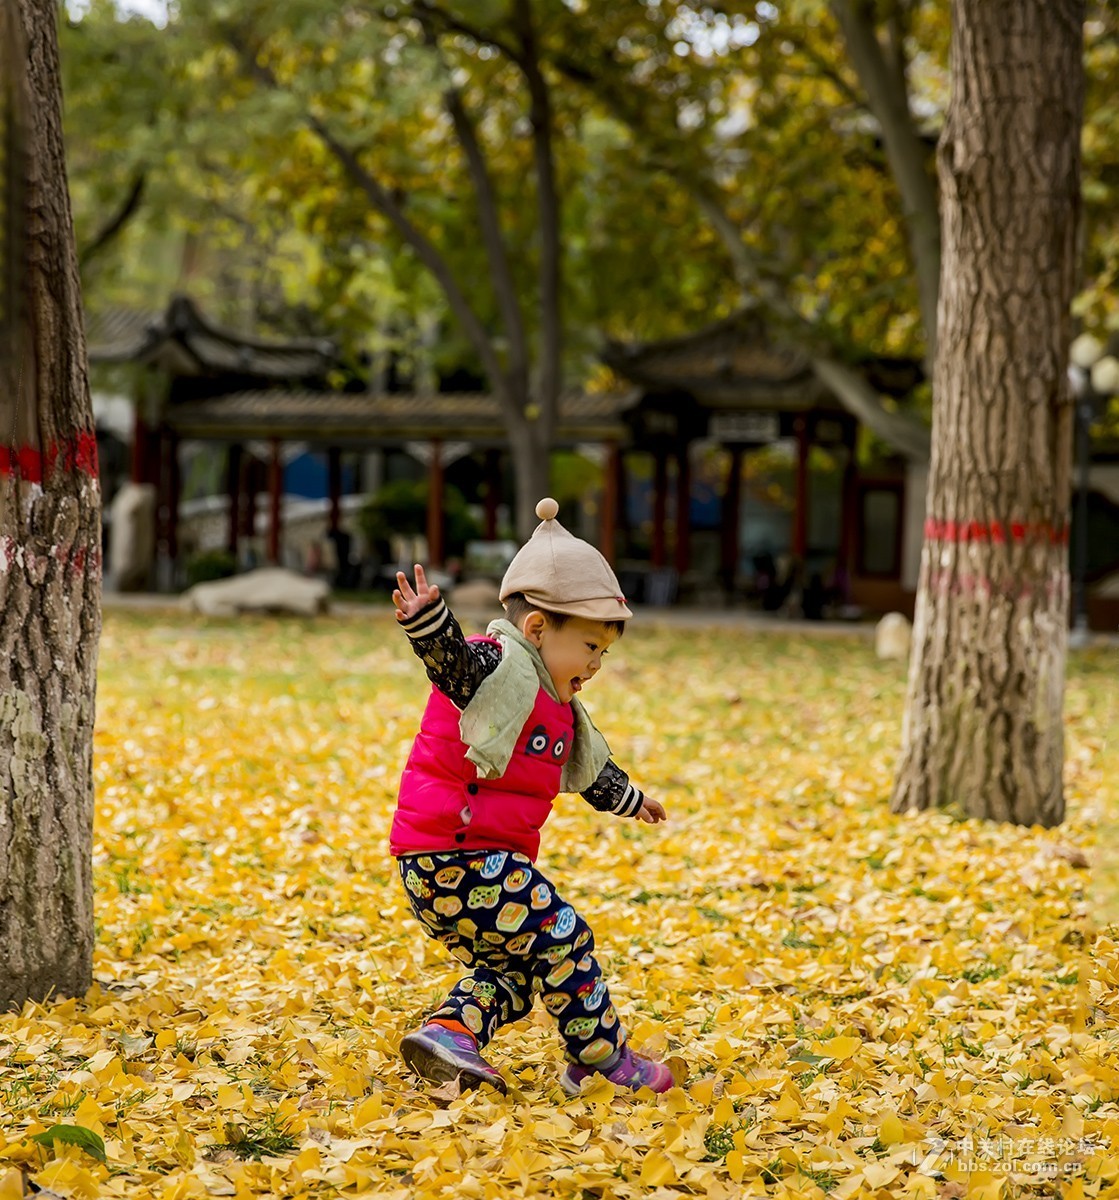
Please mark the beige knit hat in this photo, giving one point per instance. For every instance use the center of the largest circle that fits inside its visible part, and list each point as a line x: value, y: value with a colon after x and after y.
x: 563, y: 574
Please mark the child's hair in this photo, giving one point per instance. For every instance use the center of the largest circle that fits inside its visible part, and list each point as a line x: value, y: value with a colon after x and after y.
x: 517, y: 607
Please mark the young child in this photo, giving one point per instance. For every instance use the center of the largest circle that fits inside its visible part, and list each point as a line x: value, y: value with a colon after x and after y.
x: 502, y: 734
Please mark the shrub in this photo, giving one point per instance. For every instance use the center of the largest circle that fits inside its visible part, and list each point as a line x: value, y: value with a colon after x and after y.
x: 208, y: 565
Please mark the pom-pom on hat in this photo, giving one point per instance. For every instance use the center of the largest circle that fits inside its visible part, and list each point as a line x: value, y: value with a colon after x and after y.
x: 561, y: 573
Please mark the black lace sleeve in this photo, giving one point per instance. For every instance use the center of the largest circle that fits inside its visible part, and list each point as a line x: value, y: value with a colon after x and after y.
x: 453, y: 664
x: 612, y: 792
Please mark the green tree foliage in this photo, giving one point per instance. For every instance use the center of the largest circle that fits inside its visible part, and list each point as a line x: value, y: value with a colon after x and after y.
x: 703, y: 152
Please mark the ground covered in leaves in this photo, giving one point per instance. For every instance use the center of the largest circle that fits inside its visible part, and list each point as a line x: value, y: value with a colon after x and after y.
x: 865, y: 1004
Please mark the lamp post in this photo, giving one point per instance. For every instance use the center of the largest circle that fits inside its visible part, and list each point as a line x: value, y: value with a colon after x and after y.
x: 1094, y: 376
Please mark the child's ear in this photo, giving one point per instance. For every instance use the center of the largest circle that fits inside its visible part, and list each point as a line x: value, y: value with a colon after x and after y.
x: 533, y: 627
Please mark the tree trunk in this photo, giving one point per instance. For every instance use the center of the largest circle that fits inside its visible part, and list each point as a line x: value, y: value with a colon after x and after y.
x: 983, y: 732
x: 50, y: 547
x: 530, y: 446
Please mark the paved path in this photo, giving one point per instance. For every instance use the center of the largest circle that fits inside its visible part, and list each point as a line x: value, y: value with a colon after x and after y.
x: 677, y: 617
x: 680, y: 617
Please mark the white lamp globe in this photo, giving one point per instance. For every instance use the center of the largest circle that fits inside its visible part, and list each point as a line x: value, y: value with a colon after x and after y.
x: 1105, y: 376
x: 1085, y: 350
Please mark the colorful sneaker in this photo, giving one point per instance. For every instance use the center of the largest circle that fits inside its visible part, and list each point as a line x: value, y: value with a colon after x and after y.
x: 440, y: 1054
x: 630, y: 1071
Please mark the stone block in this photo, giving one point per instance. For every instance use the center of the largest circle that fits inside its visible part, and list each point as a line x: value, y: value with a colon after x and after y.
x: 269, y: 589
x: 132, y: 537
x: 892, y: 636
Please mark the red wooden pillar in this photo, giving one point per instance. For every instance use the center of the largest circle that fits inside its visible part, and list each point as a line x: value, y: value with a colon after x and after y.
x: 683, y: 510
x: 250, y: 471
x: 233, y: 490
x: 174, y: 493
x: 435, y: 548
x: 800, y: 511
x: 140, y: 472
x: 849, y: 515
x: 660, y: 508
x: 334, y: 487
x: 275, y: 499
x: 608, y: 526
x: 493, y: 494
x: 731, y: 515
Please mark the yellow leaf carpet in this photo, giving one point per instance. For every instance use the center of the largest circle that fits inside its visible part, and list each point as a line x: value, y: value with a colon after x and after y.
x: 864, y: 1005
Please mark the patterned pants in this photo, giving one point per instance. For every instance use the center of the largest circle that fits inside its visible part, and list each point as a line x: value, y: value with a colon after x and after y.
x: 497, y: 913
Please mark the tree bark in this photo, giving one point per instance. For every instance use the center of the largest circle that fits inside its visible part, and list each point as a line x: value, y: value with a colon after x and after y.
x: 50, y: 559
x: 549, y: 374
x: 983, y: 730
x: 531, y: 452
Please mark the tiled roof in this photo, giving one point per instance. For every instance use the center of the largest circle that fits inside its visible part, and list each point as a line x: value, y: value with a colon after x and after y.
x: 315, y: 415
x: 182, y: 340
x: 741, y: 361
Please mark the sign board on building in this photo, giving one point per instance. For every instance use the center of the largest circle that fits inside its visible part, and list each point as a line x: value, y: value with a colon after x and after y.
x: 745, y: 426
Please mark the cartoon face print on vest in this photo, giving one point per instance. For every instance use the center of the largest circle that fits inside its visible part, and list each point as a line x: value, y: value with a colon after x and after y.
x: 541, y: 743
x: 538, y: 741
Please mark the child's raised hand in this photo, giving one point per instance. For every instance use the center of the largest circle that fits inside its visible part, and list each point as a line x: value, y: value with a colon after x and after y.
x: 409, y: 600
x: 652, y: 811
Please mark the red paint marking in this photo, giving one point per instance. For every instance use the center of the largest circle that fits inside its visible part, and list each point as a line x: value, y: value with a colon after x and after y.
x: 970, y: 586
x: 75, y: 455
x: 937, y: 530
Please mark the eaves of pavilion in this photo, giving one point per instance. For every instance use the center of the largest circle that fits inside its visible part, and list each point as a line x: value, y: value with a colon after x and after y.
x: 205, y: 382
x: 738, y: 383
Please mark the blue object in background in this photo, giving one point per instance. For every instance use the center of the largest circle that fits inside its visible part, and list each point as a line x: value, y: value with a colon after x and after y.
x: 307, y: 476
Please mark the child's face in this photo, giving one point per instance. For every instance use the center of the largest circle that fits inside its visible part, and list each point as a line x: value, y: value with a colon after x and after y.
x: 573, y: 653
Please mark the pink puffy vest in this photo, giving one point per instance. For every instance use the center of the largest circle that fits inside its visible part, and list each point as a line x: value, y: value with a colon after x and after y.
x: 443, y: 805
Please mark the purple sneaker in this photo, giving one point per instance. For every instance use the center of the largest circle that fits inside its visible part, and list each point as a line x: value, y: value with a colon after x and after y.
x: 440, y: 1054
x: 630, y: 1071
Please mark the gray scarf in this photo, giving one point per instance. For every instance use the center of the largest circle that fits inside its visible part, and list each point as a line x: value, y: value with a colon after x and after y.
x: 492, y: 722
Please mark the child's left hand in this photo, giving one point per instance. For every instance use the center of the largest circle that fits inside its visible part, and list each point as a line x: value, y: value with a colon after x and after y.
x: 652, y: 811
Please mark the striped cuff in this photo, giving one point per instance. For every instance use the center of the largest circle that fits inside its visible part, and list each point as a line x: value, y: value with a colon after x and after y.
x: 428, y: 621
x: 630, y: 803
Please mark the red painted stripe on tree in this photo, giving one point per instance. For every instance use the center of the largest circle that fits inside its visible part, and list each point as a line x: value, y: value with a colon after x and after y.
x: 995, y: 532
x: 75, y: 559
x: 75, y: 455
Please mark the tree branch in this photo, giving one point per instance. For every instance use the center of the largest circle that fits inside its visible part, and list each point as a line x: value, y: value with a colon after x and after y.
x: 489, y: 219
x: 423, y: 10
x: 116, y: 224
x: 886, y: 89
x: 548, y: 205
x: 386, y: 203
x: 900, y: 430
